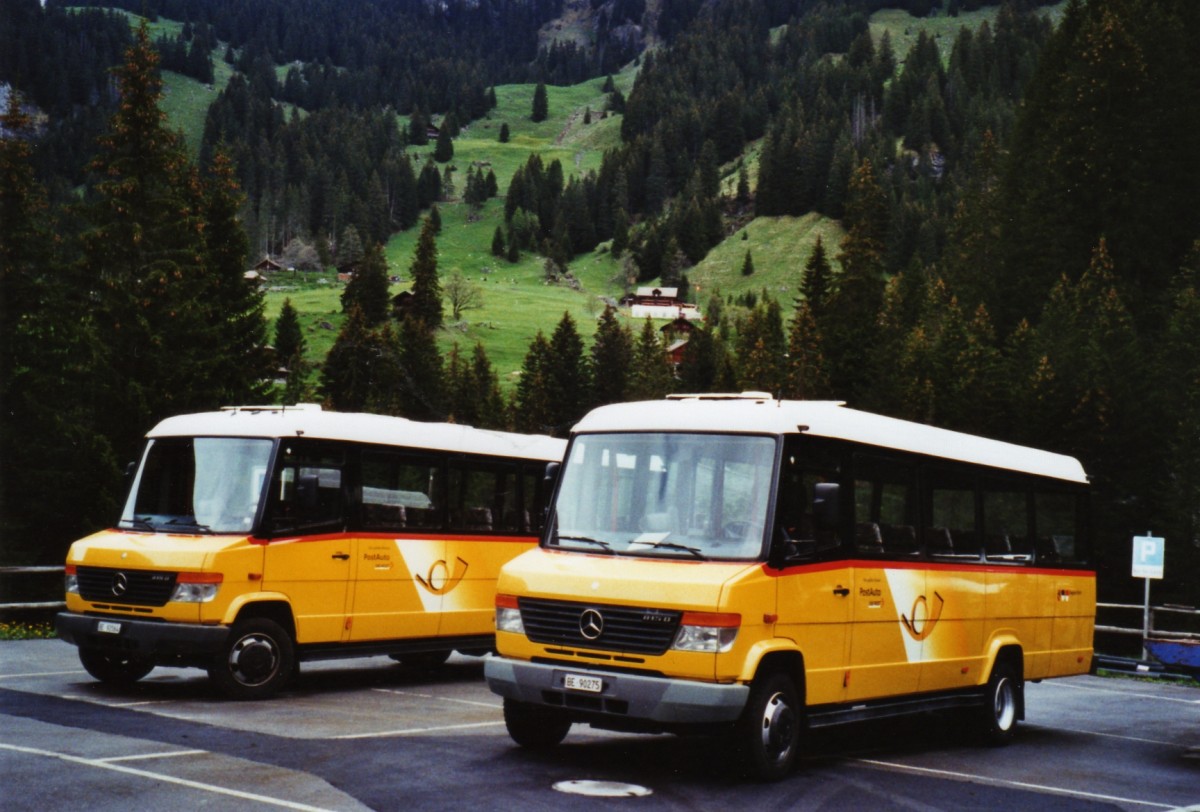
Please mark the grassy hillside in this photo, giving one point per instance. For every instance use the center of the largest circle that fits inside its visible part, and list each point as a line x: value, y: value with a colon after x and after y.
x: 516, y: 301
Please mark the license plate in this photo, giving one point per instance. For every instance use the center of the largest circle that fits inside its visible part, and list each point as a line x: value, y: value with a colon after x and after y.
x: 108, y: 627
x: 578, y: 682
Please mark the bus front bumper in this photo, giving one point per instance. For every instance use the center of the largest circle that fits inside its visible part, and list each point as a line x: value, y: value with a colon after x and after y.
x: 620, y: 695
x: 162, y: 642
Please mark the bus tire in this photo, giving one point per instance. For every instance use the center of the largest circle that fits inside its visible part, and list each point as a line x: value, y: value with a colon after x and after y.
x: 767, y: 737
x: 114, y: 668
x: 257, y: 661
x: 535, y: 727
x: 998, y: 715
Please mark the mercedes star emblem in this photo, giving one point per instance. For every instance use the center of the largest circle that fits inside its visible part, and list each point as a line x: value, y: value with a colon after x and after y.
x: 591, y: 624
x: 120, y: 584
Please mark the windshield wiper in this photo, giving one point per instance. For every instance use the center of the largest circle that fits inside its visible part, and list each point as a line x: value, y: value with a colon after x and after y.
x: 200, y: 528
x: 602, y: 544
x: 139, y: 523
x: 670, y: 545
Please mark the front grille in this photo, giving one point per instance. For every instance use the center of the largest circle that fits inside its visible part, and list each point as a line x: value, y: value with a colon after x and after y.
x: 623, y: 628
x: 133, y: 587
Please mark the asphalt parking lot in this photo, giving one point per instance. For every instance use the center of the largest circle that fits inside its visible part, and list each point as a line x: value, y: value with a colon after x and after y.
x: 371, y: 734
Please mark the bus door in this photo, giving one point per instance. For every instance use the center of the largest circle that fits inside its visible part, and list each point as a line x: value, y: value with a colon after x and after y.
x: 813, y: 603
x: 309, y: 556
x: 400, y: 556
x: 890, y: 607
x: 1017, y: 597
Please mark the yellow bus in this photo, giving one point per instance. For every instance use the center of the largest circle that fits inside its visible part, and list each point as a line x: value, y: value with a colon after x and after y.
x: 754, y: 568
x: 257, y: 537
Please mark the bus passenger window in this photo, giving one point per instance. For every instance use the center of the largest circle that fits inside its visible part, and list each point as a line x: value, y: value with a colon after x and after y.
x: 307, y: 494
x: 950, y: 522
x: 884, y: 507
x: 1006, y: 525
x: 1055, y: 520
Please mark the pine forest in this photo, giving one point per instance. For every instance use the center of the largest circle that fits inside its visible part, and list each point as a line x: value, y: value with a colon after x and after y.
x: 979, y: 215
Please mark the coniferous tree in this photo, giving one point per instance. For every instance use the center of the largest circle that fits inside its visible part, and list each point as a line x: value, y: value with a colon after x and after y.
x: 569, y: 377
x: 747, y: 265
x: 818, y: 274
x: 350, y: 376
x: 144, y: 253
x: 498, y: 242
x: 58, y: 478
x: 652, y: 376
x: 491, y: 410
x: 368, y: 288
x: 444, y: 150
x: 504, y: 133
x: 422, y: 392
x: 426, y: 288
x: 612, y: 357
x: 806, y: 378
x: 533, y: 409
x: 541, y: 104
x: 290, y: 349
x: 849, y: 323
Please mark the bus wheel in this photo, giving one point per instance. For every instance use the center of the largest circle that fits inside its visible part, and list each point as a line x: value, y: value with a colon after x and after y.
x: 533, y: 726
x: 257, y: 661
x: 998, y: 714
x: 423, y: 660
x: 767, y: 737
x: 114, y: 668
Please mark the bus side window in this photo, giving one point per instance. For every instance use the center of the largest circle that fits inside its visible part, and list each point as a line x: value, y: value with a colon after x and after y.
x: 1056, y: 523
x: 807, y: 512
x: 308, y: 494
x: 884, y: 507
x: 950, y: 518
x: 1006, y: 523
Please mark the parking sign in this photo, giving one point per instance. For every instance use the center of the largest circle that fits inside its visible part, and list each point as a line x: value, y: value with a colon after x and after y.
x: 1149, y: 553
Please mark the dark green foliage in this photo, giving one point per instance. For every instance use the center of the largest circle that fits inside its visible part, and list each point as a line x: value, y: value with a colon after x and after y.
x: 747, y: 265
x: 498, y: 247
x: 612, y: 360
x: 504, y: 133
x: 533, y: 409
x: 444, y: 150
x: 164, y: 275
x: 652, y: 377
x: 541, y: 105
x: 368, y: 288
x: 290, y: 348
x: 568, y: 377
x: 426, y: 288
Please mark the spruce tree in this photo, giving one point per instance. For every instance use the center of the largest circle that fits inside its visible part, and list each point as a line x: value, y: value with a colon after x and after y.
x: 569, y: 376
x: 350, y: 374
x: 58, y: 478
x: 533, y: 409
x: 806, y: 378
x: 422, y: 376
x: 426, y: 289
x: 541, y: 104
x: 444, y: 150
x: 290, y: 348
x: 652, y: 376
x: 814, y: 287
x: 612, y: 358
x: 368, y: 288
x: 504, y: 133
x: 498, y: 242
x: 747, y: 265
x: 144, y: 253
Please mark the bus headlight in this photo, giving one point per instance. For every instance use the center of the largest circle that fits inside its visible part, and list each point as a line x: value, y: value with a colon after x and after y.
x: 707, y: 631
x: 508, y: 615
x: 71, y: 580
x: 196, y: 587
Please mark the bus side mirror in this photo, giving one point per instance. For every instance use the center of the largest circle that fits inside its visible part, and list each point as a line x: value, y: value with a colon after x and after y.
x: 550, y: 478
x: 825, y: 505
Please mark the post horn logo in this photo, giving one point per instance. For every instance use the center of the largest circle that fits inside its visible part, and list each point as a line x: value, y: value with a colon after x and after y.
x: 925, y: 616
x: 441, y: 579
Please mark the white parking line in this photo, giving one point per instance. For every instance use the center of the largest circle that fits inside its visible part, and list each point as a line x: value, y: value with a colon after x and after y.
x: 492, y: 705
x: 171, y: 754
x: 168, y: 779
x: 1121, y: 693
x: 415, y: 731
x: 1002, y: 782
x: 42, y: 674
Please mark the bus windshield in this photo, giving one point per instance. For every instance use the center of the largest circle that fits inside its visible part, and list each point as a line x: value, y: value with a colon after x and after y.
x: 665, y: 494
x: 198, y: 485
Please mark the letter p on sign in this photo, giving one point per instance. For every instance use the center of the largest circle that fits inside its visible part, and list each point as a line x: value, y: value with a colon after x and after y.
x: 1148, y: 555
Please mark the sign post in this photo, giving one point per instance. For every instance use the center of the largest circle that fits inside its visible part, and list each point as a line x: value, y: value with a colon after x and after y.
x: 1149, y: 553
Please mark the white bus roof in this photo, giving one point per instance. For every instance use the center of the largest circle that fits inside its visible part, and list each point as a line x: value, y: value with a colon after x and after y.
x: 759, y: 413
x: 309, y: 420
